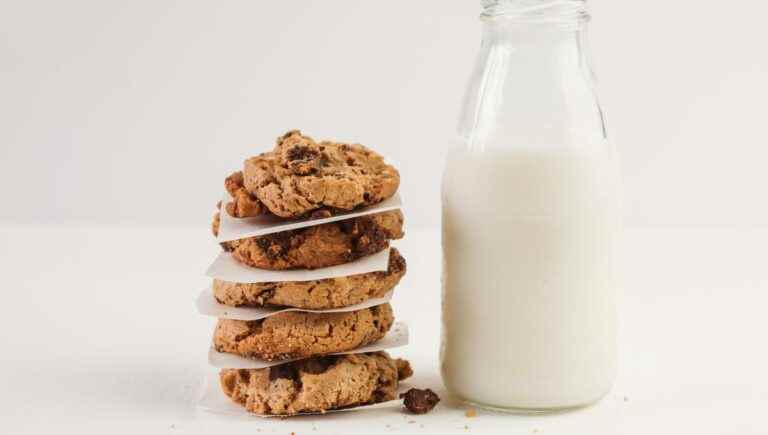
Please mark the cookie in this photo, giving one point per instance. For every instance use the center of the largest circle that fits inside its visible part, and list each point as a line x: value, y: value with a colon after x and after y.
x: 242, y: 203
x: 301, y: 334
x: 321, y: 245
x: 317, y: 384
x: 300, y: 175
x: 314, y: 295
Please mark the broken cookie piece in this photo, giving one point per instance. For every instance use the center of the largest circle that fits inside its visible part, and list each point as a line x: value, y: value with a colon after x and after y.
x: 419, y: 401
x: 243, y: 204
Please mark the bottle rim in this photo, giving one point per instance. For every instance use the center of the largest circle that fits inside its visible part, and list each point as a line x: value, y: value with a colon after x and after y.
x: 561, y: 12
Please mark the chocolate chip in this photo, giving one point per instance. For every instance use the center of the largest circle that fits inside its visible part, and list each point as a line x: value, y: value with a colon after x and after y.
x: 301, y: 153
x: 283, y: 371
x: 286, y: 371
x: 419, y: 401
x: 302, y: 159
x: 275, y: 245
x: 319, y: 365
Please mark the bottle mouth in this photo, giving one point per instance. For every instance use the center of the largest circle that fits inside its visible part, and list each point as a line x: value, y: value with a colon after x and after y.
x: 558, y: 12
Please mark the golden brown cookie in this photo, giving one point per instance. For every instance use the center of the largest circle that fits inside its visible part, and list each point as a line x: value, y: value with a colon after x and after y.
x: 316, y: 384
x: 300, y: 334
x: 321, y: 245
x: 314, y: 295
x: 300, y: 175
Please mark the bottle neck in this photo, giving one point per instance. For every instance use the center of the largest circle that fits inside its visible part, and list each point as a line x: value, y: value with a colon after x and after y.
x: 522, y: 36
x: 535, y: 32
x: 537, y: 26
x: 533, y: 80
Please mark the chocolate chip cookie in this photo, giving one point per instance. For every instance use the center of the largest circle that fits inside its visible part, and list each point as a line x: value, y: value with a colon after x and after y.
x: 300, y: 175
x: 295, y: 334
x: 314, y: 295
x: 318, y: 246
x: 316, y: 384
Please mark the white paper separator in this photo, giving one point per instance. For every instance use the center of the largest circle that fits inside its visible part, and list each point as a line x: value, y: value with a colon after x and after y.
x: 226, y: 268
x: 396, y: 337
x: 212, y: 399
x: 231, y: 228
x: 208, y: 306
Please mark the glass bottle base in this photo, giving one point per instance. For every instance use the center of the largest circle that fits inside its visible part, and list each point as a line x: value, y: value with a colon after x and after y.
x: 527, y: 411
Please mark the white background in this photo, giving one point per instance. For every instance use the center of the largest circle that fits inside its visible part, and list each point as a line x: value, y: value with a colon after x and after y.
x: 112, y: 110
x: 119, y: 121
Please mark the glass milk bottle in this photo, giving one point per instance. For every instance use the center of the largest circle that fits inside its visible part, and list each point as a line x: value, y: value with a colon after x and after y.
x: 530, y: 219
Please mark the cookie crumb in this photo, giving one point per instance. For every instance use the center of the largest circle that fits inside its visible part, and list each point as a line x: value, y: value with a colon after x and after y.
x: 420, y: 401
x: 471, y: 412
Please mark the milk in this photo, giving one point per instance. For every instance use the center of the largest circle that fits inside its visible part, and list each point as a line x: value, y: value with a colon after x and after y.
x: 528, y: 280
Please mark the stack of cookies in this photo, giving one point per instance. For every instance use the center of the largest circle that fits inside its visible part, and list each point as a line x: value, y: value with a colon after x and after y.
x: 306, y: 340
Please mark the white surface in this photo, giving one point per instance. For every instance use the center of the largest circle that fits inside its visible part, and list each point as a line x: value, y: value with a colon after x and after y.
x: 231, y: 228
x: 226, y: 268
x: 123, y: 110
x: 99, y: 334
x: 207, y: 305
x: 397, y: 337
